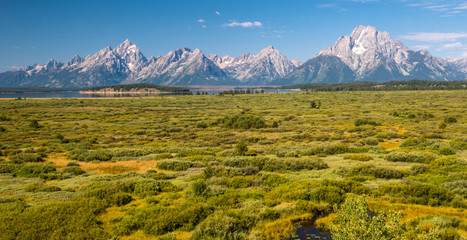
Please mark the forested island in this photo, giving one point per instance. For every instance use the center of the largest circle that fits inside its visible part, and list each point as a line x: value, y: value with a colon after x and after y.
x: 381, y: 86
x: 136, y: 88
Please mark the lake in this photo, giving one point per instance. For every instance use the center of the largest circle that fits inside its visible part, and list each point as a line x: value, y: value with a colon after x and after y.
x: 76, y: 94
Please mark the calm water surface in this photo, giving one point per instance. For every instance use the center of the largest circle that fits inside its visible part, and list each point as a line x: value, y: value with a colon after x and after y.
x: 76, y: 94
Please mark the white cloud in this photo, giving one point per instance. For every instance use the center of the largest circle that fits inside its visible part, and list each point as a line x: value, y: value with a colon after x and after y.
x: 201, y: 20
x: 434, y: 37
x: 16, y: 47
x: 326, y: 5
x: 421, y: 47
x: 243, y: 24
x: 218, y: 13
x: 451, y: 46
x: 453, y: 8
x: 204, y: 26
x: 363, y: 1
x: 464, y: 54
x: 462, y: 6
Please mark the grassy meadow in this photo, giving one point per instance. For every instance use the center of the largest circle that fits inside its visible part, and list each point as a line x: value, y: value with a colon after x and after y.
x: 252, y: 166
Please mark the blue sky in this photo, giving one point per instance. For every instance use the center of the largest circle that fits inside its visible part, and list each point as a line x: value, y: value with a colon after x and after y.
x: 36, y: 31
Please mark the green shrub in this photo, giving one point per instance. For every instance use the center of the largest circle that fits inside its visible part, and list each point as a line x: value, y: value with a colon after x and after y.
x: 371, y: 170
x: 177, y: 165
x: 416, y: 157
x: 35, y: 170
x: 73, y: 170
x: 224, y: 225
x: 90, y: 155
x: 120, y: 199
x: 61, y: 220
x: 358, y: 157
x: 328, y: 194
x: 419, y: 193
x: 243, y: 121
x: 199, y: 187
x: 450, y: 119
x: 34, y: 124
x: 419, y: 169
x: 9, y: 168
x: 370, y: 141
x: 201, y: 125
x: 447, y: 151
x: 241, y: 148
x: 348, y: 186
x: 26, y: 157
x: 72, y: 164
x: 155, y: 220
x: 4, y: 118
x: 360, y: 122
x: 354, y: 222
x: 412, y: 142
x: 42, y: 188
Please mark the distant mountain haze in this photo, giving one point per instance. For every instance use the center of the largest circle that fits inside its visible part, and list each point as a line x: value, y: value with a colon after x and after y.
x: 365, y: 55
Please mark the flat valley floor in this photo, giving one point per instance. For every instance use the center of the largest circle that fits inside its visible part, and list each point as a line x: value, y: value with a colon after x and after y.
x: 253, y: 166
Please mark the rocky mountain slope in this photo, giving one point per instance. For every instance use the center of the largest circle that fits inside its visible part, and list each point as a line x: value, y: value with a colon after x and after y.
x: 365, y: 55
x: 372, y: 55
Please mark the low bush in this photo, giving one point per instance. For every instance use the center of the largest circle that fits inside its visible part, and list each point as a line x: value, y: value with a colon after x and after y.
x: 35, y: 170
x: 276, y: 164
x: 42, y: 188
x: 419, y: 193
x: 177, y: 165
x: 328, y: 194
x: 156, y: 220
x: 89, y: 155
x: 447, y: 151
x: 450, y: 119
x: 75, y: 219
x: 348, y: 186
x: 73, y: 170
x: 419, y: 169
x: 72, y: 164
x: 416, y: 157
x: 228, y: 225
x: 432, y: 226
x: 358, y: 157
x: 353, y: 221
x: 360, y: 122
x: 26, y: 157
x: 371, y: 170
x: 243, y: 121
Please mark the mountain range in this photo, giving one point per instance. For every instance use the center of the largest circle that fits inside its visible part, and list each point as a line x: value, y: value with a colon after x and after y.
x: 365, y: 55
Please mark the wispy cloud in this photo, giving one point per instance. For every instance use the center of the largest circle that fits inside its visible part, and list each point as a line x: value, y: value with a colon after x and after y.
x: 363, y: 1
x: 446, y: 8
x: 326, y: 5
x: 421, y: 47
x: 218, y: 13
x: 16, y: 47
x: 451, y: 46
x: 201, y: 20
x: 243, y: 24
x: 434, y: 37
x: 204, y: 26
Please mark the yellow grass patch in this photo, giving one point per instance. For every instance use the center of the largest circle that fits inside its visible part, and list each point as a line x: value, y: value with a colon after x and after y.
x: 411, y: 210
x: 389, y: 145
x: 139, y: 166
x: 58, y: 160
